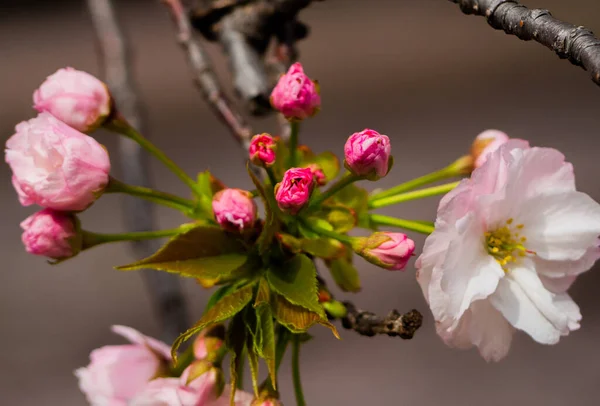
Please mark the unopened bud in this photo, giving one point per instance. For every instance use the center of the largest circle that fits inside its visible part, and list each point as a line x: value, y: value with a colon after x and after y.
x: 262, y: 150
x: 367, y: 153
x: 209, y: 343
x: 388, y: 250
x: 486, y: 143
x: 294, y: 191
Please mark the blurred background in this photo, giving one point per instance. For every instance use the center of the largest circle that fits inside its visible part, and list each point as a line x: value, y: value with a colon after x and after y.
x: 420, y: 71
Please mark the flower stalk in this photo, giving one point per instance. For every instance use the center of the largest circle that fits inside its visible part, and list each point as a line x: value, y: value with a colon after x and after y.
x: 155, y: 196
x: 120, y: 125
x: 410, y: 225
x: 91, y: 239
x: 344, y: 181
x: 294, y: 131
x: 296, y: 371
x: 414, y: 195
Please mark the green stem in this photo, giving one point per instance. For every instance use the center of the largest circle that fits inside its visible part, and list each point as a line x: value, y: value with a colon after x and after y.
x: 294, y: 130
x: 280, y: 346
x: 418, y: 226
x: 344, y: 181
x: 239, y: 369
x: 328, y: 233
x: 271, y: 176
x: 296, y: 371
x: 166, y: 199
x: 120, y: 125
x: 460, y: 167
x: 415, y: 194
x: 91, y: 239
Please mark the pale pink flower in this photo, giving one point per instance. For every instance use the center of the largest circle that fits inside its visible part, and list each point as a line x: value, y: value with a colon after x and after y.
x: 367, y: 153
x: 74, y: 97
x: 202, y: 391
x: 262, y: 150
x: 51, y: 233
x: 117, y: 373
x: 507, y: 245
x: 486, y: 143
x: 295, y: 95
x: 234, y: 209
x: 56, y: 166
x: 392, y: 254
x: 294, y: 191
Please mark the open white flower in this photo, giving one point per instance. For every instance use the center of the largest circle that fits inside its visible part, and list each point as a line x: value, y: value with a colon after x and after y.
x: 508, y: 243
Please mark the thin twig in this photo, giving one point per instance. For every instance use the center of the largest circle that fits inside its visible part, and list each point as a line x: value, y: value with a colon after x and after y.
x: 394, y: 324
x: 575, y: 43
x: 164, y: 289
x: 204, y: 76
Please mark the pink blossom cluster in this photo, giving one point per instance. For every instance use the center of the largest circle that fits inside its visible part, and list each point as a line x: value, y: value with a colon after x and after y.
x: 55, y: 165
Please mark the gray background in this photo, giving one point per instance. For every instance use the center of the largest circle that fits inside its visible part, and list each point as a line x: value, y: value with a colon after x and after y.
x: 419, y: 71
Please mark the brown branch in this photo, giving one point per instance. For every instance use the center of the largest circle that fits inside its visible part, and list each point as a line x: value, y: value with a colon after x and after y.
x: 204, y: 76
x: 164, y: 289
x: 568, y: 41
x: 394, y: 324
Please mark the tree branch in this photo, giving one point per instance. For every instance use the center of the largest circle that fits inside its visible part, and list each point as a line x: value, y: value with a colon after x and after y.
x: 164, y: 289
x: 575, y: 43
x: 204, y: 76
x: 394, y: 324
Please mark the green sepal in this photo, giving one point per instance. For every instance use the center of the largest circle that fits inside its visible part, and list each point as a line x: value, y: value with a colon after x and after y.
x: 207, y: 186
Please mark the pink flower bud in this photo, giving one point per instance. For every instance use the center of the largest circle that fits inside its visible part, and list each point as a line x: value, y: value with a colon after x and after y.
x: 234, y: 209
x: 318, y: 174
x: 387, y: 250
x: 294, y: 190
x: 52, y: 234
x: 74, y: 97
x: 295, y: 95
x: 262, y: 150
x: 367, y: 153
x: 486, y: 143
x: 209, y: 342
x: 267, y: 402
x: 56, y: 166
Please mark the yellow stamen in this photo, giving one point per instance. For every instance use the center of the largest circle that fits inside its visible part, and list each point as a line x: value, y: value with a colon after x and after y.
x: 506, y: 245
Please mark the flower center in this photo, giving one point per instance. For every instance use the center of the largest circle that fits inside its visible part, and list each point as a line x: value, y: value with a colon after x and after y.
x: 506, y: 244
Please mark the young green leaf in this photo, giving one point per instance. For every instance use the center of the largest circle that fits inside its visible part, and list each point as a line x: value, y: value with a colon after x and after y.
x: 263, y: 294
x: 321, y: 247
x: 357, y: 199
x: 296, y: 280
x: 271, y: 225
x: 203, y: 252
x: 296, y: 318
x: 342, y: 218
x: 265, y: 339
x: 329, y: 164
x: 253, y: 362
x: 228, y: 306
x: 236, y: 342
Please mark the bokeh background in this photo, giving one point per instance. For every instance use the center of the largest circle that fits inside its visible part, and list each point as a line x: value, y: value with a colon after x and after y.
x: 419, y: 71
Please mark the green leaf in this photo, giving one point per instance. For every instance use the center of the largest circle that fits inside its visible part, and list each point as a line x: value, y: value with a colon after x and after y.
x: 263, y: 294
x: 296, y: 280
x: 208, y: 185
x: 253, y: 362
x: 236, y: 342
x: 218, y: 295
x: 203, y: 252
x: 265, y: 339
x: 228, y: 306
x: 296, y: 318
x: 344, y: 274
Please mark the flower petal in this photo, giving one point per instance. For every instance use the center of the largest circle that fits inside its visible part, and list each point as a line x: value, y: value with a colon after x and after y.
x: 529, y: 306
x: 469, y: 273
x: 483, y: 326
x: 138, y: 338
x: 561, y: 227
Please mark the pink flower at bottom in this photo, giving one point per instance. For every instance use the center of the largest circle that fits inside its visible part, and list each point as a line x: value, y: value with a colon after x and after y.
x: 117, y: 373
x: 51, y: 233
x: 507, y: 245
x: 202, y: 391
